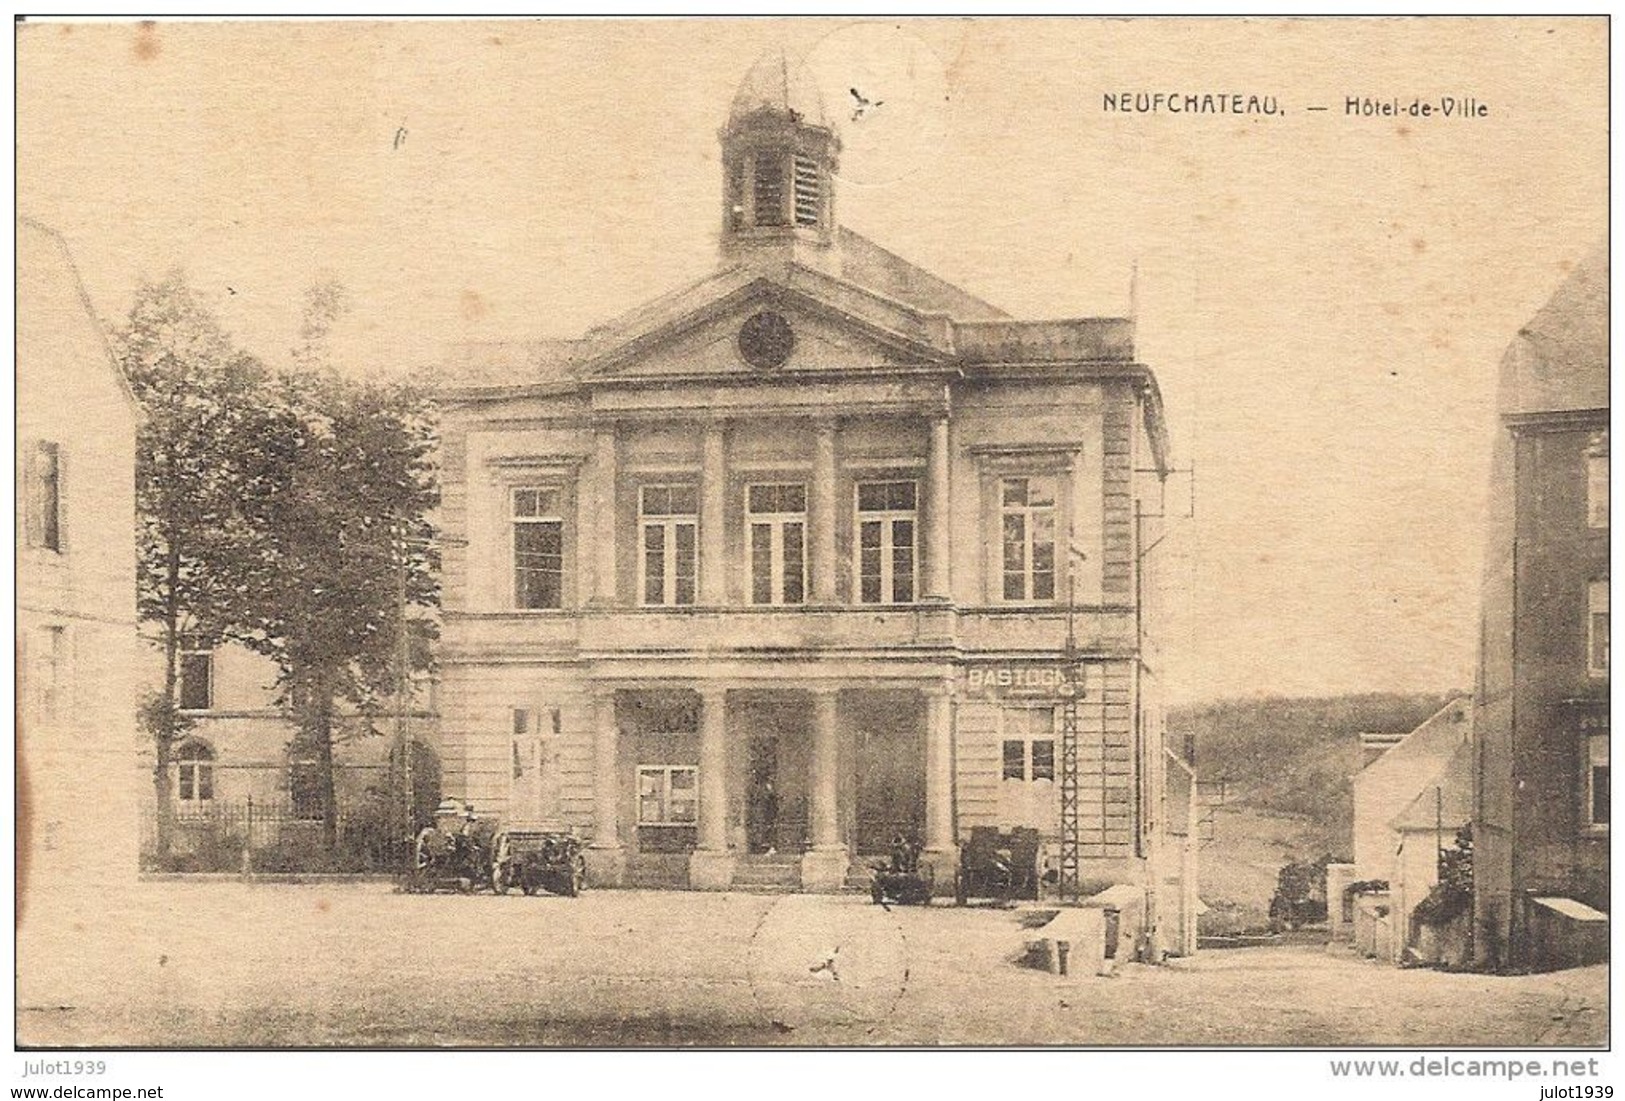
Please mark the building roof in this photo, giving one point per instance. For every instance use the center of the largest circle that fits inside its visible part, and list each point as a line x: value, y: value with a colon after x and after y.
x: 1559, y: 360
x: 44, y: 251
x: 777, y: 84
x: 1406, y: 774
x: 867, y: 264
x: 1427, y: 749
x: 1446, y: 801
x: 481, y: 363
x: 898, y: 304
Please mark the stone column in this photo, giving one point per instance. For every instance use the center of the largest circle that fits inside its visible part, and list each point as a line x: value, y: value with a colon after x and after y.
x: 713, y: 525
x: 940, y: 846
x: 605, y: 860
x: 938, y: 551
x: 822, y: 518
x: 824, y: 866
x: 711, y: 865
x: 604, y: 474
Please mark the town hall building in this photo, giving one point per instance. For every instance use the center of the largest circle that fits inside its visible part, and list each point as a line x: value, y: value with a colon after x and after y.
x: 767, y: 572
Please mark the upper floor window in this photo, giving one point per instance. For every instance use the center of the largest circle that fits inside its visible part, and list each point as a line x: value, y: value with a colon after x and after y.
x: 887, y: 530
x: 538, y: 548
x: 1027, y: 514
x: 194, y: 764
x: 42, y: 475
x: 776, y: 541
x: 196, y: 661
x: 1597, y: 781
x: 1597, y: 628
x: 668, y: 518
x: 769, y: 196
x: 1597, y: 481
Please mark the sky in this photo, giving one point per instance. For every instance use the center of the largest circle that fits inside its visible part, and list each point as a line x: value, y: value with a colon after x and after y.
x: 1324, y: 297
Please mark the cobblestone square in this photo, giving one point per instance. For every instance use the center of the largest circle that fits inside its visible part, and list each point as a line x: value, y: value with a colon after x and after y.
x: 224, y: 963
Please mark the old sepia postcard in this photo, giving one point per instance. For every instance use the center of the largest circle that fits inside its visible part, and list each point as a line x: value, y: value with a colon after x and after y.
x: 818, y: 533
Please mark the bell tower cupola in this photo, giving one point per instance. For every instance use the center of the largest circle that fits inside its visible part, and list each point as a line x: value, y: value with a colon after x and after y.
x: 779, y: 156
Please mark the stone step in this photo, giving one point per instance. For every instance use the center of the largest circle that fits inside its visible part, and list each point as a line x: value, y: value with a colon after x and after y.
x: 748, y: 877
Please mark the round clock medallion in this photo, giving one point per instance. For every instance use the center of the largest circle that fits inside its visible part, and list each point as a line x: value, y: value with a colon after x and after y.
x: 765, y: 340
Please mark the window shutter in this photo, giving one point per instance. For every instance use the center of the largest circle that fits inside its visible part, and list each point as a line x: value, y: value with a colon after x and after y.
x: 56, y: 500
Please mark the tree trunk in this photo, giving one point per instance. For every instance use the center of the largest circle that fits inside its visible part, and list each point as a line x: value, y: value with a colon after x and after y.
x: 324, y: 750
x: 315, y: 708
x: 164, y: 732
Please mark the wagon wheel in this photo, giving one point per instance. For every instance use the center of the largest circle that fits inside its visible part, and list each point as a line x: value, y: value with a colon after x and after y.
x: 499, y: 861
x: 927, y: 885
x: 421, y: 857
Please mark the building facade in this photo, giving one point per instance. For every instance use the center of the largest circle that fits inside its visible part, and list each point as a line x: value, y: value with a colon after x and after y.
x: 1541, y: 810
x: 1412, y: 796
x: 776, y: 567
x: 238, y: 777
x: 77, y: 648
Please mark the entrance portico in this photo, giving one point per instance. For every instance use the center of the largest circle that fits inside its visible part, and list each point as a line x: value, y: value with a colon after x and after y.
x: 721, y: 772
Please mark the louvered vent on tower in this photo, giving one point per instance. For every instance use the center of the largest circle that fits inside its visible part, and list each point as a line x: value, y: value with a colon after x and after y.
x: 770, y: 192
x: 806, y: 191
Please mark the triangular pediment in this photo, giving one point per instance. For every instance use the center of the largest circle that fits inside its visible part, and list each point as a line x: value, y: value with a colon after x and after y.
x: 832, y: 326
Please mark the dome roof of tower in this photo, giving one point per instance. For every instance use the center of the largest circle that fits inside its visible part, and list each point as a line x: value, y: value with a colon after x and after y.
x: 777, y: 84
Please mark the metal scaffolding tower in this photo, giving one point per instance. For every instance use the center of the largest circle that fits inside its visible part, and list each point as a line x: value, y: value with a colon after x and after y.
x: 1070, y: 685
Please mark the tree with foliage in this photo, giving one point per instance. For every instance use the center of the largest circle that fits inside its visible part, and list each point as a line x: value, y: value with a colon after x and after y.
x: 288, y: 514
x: 204, y: 403
x: 1452, y: 895
x: 346, y: 547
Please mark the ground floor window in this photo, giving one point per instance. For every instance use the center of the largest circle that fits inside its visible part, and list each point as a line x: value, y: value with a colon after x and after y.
x: 1029, y: 743
x: 195, y: 768
x: 668, y: 795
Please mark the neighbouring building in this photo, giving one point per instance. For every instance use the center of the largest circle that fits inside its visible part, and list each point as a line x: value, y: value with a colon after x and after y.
x: 1541, y: 724
x: 77, y: 648
x: 1411, y: 797
x: 238, y: 778
x: 755, y: 577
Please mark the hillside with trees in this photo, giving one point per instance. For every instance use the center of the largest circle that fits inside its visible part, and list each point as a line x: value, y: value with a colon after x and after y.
x: 1296, y: 756
x: 1288, y: 766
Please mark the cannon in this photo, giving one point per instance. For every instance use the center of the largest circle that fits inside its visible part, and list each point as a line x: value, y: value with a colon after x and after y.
x: 901, y: 879
x: 455, y: 853
x: 538, y: 860
x: 998, y: 864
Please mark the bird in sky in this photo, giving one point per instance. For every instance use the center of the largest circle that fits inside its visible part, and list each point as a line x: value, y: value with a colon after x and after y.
x: 864, y: 105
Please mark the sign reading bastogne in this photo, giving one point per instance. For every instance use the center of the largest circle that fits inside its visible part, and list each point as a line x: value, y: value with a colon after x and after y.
x: 1027, y: 680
